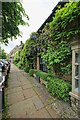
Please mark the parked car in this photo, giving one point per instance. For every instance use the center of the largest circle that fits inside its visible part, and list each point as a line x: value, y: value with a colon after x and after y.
x: 4, y: 72
x: 2, y: 81
x: 5, y: 65
x: 2, y: 65
x: 5, y: 68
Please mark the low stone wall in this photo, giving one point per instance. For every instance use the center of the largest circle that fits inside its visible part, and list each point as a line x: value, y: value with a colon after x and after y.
x: 43, y: 82
x: 75, y: 103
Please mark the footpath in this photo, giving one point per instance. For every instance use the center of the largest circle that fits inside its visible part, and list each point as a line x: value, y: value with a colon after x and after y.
x: 29, y: 99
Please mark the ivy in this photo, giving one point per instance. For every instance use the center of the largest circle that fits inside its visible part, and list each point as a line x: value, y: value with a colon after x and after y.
x: 57, y: 55
x: 66, y: 23
x: 16, y: 57
x: 52, y: 43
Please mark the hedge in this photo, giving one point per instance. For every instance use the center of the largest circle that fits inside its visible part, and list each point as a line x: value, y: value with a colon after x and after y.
x: 26, y: 69
x: 40, y: 74
x: 56, y: 86
x: 32, y: 71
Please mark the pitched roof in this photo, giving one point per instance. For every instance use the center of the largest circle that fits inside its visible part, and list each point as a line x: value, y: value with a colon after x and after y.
x: 50, y: 18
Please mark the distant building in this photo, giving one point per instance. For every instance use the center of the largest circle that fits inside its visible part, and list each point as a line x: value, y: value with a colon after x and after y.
x: 14, y: 50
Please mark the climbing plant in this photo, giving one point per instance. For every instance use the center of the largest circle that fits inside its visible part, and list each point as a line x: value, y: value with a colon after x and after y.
x: 52, y: 43
x: 57, y: 57
x: 16, y: 57
x: 64, y: 26
x: 66, y: 22
x: 29, y: 50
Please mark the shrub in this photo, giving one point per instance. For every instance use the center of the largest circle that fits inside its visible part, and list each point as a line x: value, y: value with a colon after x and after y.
x: 59, y: 88
x: 26, y: 69
x: 40, y: 74
x: 32, y: 71
x: 19, y: 65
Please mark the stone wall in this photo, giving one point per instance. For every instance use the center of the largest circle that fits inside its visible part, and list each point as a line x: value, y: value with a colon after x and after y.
x: 75, y: 103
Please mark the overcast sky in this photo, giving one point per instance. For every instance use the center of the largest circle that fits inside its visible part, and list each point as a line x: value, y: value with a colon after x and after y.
x: 38, y: 11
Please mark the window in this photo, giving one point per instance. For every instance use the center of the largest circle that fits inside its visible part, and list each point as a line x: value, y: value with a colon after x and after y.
x: 77, y: 72
x: 43, y: 66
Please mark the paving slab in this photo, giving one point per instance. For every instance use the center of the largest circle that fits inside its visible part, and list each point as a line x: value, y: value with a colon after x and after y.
x: 13, y: 90
x: 14, y: 84
x: 27, y: 86
x: 25, y: 82
x: 29, y: 106
x: 24, y: 107
x: 17, y: 110
x: 37, y: 102
x: 42, y: 113
x: 26, y: 97
x: 28, y: 93
x: 15, y: 97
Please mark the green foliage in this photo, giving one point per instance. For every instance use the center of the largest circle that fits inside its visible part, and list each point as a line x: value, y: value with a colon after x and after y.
x: 19, y: 65
x: 52, y: 42
x: 3, y: 54
x: 58, y: 87
x: 66, y: 69
x: 32, y: 71
x: 57, y: 56
x: 58, y: 53
x: 5, y: 114
x: 23, y: 54
x: 66, y: 23
x: 26, y: 69
x: 63, y: 28
x: 28, y: 54
x: 40, y: 74
x: 16, y: 57
x: 29, y: 51
x: 12, y: 17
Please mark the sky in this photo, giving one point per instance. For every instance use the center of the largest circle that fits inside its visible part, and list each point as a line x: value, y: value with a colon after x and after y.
x: 38, y: 11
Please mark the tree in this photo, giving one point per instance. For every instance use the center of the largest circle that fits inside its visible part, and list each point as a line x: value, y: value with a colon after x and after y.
x: 12, y: 17
x: 3, y: 54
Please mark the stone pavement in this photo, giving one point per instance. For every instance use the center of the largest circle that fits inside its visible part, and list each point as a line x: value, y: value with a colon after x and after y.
x: 27, y: 98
